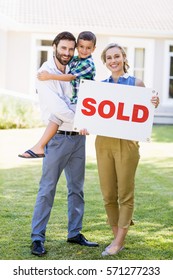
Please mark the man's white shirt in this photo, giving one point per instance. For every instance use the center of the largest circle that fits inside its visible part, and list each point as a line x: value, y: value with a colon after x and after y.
x: 54, y: 98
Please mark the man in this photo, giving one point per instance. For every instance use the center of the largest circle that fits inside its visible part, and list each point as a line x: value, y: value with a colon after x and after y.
x: 65, y: 151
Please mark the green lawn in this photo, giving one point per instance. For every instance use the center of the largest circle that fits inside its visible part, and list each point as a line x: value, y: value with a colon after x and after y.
x: 149, y: 239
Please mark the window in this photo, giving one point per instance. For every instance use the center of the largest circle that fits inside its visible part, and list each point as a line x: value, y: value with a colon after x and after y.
x: 44, y: 47
x: 171, y: 71
x: 140, y: 56
x: 139, y: 63
x: 168, y: 74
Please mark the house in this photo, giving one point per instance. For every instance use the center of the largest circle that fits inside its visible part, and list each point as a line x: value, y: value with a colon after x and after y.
x: 144, y: 28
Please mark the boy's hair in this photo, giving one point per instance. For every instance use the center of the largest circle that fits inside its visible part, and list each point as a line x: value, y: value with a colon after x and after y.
x: 64, y: 36
x: 88, y: 36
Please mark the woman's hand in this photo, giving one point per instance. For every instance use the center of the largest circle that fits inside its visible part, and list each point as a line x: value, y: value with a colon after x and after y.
x: 155, y: 100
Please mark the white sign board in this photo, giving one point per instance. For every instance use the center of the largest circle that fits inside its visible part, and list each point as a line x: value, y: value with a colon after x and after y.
x: 115, y: 110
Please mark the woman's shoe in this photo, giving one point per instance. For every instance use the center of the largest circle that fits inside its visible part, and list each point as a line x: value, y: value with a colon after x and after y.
x: 108, y: 252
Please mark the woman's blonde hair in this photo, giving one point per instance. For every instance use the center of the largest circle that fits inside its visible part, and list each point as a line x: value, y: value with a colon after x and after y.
x: 114, y: 45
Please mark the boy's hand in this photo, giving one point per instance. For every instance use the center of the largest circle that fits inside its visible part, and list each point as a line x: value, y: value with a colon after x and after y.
x: 43, y: 76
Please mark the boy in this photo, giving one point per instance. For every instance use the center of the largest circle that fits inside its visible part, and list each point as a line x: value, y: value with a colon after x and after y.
x: 81, y: 67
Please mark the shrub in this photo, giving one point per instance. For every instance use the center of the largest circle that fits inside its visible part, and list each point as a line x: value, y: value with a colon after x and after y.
x: 18, y: 113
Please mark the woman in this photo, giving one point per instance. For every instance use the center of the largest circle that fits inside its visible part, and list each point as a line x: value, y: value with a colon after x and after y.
x: 117, y: 159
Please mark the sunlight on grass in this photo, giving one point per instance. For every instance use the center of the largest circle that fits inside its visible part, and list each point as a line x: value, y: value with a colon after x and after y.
x: 162, y: 133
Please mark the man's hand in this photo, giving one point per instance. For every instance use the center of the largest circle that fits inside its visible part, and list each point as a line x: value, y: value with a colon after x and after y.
x: 83, y: 131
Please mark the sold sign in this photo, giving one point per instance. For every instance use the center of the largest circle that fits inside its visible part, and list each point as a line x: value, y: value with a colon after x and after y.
x: 90, y: 110
x: 115, y: 110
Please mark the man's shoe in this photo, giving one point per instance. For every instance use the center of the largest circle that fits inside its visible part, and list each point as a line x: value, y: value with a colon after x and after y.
x: 81, y: 240
x: 38, y: 248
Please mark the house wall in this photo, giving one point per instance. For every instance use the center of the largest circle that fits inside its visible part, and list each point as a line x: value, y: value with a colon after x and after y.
x: 3, y: 57
x: 17, y: 67
x: 101, y: 70
x: 158, y: 67
x: 18, y: 61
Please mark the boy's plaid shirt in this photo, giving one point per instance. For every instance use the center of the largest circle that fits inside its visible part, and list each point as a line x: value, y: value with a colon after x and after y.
x: 82, y: 69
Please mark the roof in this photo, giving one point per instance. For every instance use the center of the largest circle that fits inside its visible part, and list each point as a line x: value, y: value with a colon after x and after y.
x: 154, y: 17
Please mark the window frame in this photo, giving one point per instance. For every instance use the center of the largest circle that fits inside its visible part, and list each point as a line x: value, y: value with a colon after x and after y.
x: 167, y: 101
x: 35, y: 48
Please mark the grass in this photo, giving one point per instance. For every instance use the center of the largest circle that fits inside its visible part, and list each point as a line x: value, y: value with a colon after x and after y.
x: 149, y: 239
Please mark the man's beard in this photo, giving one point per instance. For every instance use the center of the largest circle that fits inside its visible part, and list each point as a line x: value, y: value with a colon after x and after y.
x: 61, y: 60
